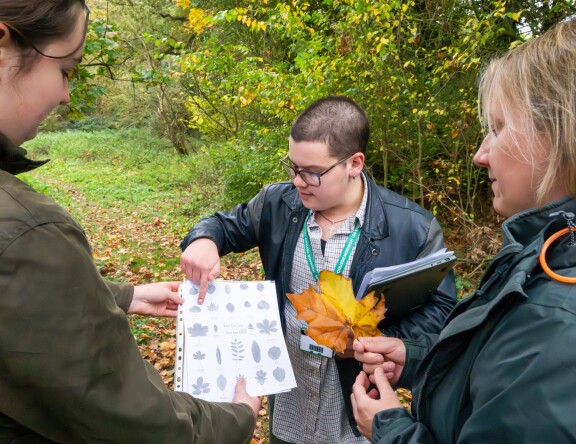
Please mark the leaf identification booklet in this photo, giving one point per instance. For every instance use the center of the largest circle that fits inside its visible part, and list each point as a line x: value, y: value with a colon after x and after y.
x: 235, y: 332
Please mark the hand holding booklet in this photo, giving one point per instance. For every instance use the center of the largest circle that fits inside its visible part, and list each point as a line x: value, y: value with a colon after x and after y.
x: 407, y: 286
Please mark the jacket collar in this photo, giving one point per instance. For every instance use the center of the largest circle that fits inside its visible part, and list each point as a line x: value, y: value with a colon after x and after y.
x: 523, y: 227
x: 13, y: 158
x: 522, y: 238
x: 375, y: 222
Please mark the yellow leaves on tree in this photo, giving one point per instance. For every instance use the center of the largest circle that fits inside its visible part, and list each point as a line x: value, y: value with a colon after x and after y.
x: 334, y: 314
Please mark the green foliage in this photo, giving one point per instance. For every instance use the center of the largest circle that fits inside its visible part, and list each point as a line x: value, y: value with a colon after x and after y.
x: 463, y: 286
x: 251, y: 66
x: 101, y: 55
x: 235, y: 74
x: 153, y: 39
x: 119, y: 183
x: 244, y: 170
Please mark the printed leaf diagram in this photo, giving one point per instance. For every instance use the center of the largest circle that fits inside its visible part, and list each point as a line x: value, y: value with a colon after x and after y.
x: 334, y: 314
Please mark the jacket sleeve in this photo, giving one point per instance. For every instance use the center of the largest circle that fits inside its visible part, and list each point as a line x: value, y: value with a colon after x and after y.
x: 398, y: 426
x: 521, y: 383
x: 236, y: 230
x: 70, y: 368
x: 429, y: 318
x: 122, y: 293
x: 416, y: 349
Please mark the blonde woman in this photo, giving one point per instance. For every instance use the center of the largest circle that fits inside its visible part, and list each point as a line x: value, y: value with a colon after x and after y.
x: 503, y: 367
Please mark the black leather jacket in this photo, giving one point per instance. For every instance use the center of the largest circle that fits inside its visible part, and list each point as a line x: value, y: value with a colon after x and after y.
x: 395, y: 230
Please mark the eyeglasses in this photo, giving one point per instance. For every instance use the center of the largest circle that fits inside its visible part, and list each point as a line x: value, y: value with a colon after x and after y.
x: 312, y: 179
x: 23, y: 37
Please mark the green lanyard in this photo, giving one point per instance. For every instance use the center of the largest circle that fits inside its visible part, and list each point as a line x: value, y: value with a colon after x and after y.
x: 344, y: 255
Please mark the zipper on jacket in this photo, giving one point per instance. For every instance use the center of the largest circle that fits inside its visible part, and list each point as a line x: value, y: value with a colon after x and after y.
x: 424, y: 381
x: 418, y: 401
x: 569, y: 218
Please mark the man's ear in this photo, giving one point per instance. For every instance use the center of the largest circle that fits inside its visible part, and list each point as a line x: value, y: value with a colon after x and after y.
x: 357, y: 163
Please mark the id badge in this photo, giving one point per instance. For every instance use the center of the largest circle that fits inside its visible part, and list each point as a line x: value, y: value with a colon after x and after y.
x: 308, y: 345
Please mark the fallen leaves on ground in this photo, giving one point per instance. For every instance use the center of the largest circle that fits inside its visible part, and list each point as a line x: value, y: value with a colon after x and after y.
x: 334, y: 314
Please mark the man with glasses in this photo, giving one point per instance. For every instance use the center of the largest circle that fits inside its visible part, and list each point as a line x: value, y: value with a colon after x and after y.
x: 330, y: 216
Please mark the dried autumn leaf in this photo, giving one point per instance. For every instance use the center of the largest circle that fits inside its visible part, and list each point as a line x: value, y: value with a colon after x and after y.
x: 334, y: 314
x: 326, y: 325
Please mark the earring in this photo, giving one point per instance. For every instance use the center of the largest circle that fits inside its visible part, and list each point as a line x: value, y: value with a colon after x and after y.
x: 353, y: 177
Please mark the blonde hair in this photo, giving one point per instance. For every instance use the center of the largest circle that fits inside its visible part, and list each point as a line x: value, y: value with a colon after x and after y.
x: 537, y: 82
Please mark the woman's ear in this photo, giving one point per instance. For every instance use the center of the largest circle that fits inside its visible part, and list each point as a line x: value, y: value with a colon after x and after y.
x: 4, y: 32
x: 4, y: 35
x: 6, y: 47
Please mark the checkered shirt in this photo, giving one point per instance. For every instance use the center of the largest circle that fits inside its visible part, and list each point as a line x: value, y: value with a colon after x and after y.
x: 313, y: 412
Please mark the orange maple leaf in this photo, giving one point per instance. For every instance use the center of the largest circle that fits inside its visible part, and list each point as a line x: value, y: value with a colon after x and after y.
x: 334, y: 314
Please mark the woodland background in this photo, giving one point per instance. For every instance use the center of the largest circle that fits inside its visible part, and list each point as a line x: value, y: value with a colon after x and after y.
x: 183, y: 107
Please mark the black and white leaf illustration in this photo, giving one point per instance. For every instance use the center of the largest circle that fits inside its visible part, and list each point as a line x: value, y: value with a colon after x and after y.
x: 263, y: 305
x: 200, y: 387
x: 274, y: 352
x: 199, y: 356
x: 221, y: 382
x: 261, y: 377
x: 218, y: 356
x: 195, y: 309
x: 260, y: 286
x: 211, y: 288
x: 250, y: 327
x: 256, y: 352
x: 227, y: 289
x: 279, y: 374
x: 237, y: 350
x: 266, y: 327
x: 247, y: 304
x: 198, y: 330
x: 230, y: 307
x: 193, y: 291
x: 212, y: 307
x: 244, y: 286
x: 215, y: 328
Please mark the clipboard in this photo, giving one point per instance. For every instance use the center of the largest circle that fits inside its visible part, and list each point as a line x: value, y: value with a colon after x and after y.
x: 410, y: 286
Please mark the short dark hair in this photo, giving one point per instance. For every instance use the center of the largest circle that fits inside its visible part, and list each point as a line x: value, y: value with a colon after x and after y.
x: 38, y: 22
x: 337, y: 121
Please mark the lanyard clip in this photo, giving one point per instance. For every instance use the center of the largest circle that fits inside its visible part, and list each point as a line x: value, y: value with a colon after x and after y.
x: 569, y: 218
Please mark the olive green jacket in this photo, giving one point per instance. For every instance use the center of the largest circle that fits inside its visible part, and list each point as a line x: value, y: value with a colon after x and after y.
x: 70, y: 369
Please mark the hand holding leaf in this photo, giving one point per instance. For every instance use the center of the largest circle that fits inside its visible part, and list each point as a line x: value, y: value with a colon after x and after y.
x: 334, y: 312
